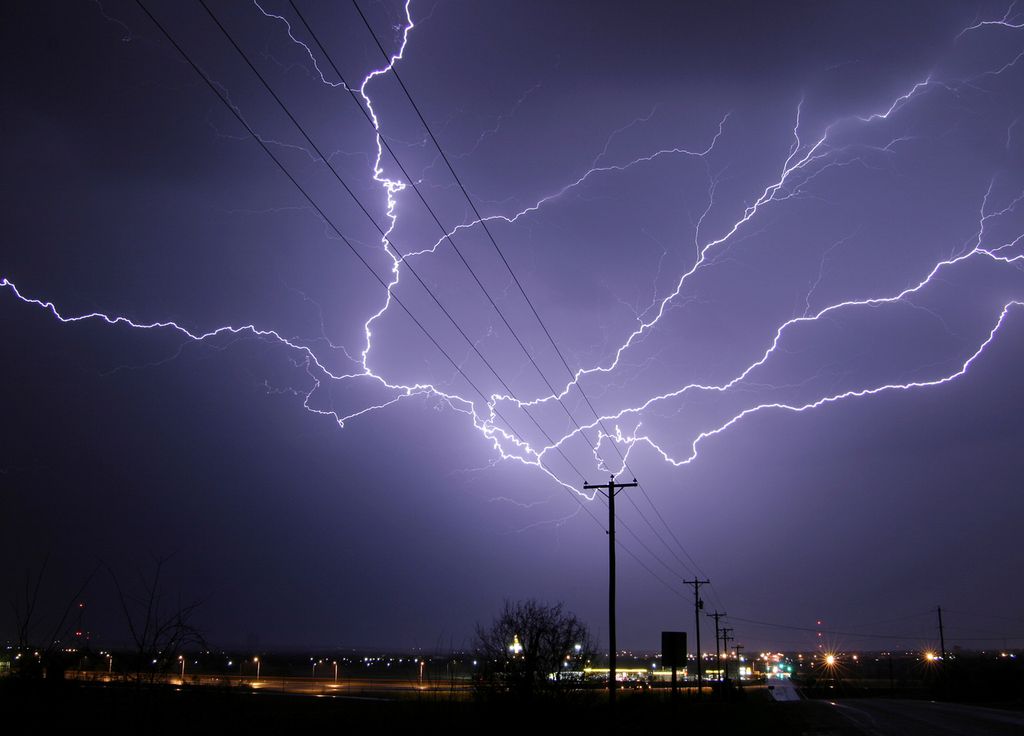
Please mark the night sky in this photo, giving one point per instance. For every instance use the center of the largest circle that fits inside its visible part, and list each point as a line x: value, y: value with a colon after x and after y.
x: 777, y: 247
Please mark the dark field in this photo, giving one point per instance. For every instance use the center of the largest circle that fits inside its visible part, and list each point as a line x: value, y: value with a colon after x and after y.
x: 49, y: 707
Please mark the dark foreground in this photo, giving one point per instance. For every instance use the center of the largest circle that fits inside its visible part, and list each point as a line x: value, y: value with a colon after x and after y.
x: 881, y: 717
x: 48, y: 707
x: 52, y: 707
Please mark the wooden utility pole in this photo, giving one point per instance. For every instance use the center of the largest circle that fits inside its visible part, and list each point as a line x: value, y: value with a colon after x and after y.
x: 942, y: 636
x: 698, y: 604
x: 609, y: 491
x: 725, y: 646
x: 718, y: 652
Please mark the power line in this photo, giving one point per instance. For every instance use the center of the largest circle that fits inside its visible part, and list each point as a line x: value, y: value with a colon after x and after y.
x: 336, y: 229
x: 922, y: 614
x: 446, y: 235
x: 508, y: 266
x: 647, y: 549
x: 355, y: 252
x: 982, y: 614
x: 384, y: 235
x: 865, y: 635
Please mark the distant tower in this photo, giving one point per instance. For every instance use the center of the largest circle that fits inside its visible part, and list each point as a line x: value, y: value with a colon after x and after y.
x: 81, y: 635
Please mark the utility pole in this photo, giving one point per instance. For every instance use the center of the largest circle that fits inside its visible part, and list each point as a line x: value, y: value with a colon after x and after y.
x: 698, y: 604
x: 739, y: 675
x: 718, y: 652
x: 942, y: 636
x: 609, y: 491
x: 725, y: 646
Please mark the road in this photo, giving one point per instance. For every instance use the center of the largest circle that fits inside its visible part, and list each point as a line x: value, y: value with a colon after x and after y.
x: 880, y: 717
x: 375, y: 688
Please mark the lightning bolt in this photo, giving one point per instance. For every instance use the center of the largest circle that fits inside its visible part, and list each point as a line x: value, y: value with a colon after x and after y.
x: 1007, y: 21
x: 806, y: 160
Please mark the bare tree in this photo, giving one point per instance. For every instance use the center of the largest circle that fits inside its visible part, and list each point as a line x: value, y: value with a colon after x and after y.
x: 533, y: 649
x: 42, y: 658
x: 25, y: 610
x: 159, y: 633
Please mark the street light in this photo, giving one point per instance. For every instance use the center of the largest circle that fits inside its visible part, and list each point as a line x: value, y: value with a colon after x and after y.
x: 335, y: 663
x: 181, y: 658
x: 257, y: 661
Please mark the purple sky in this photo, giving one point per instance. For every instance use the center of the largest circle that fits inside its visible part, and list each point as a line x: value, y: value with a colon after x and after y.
x: 779, y: 248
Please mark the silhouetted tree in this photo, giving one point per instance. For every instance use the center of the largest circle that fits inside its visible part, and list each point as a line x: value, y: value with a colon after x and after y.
x: 532, y: 649
x: 44, y: 657
x: 159, y: 632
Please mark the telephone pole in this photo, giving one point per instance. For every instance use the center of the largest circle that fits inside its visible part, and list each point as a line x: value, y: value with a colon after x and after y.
x: 698, y: 604
x: 609, y: 491
x: 725, y: 646
x: 718, y: 652
x: 942, y: 636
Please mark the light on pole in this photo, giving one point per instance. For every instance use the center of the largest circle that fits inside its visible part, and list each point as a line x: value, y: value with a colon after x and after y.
x: 181, y: 658
x: 335, y: 670
x: 257, y: 661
